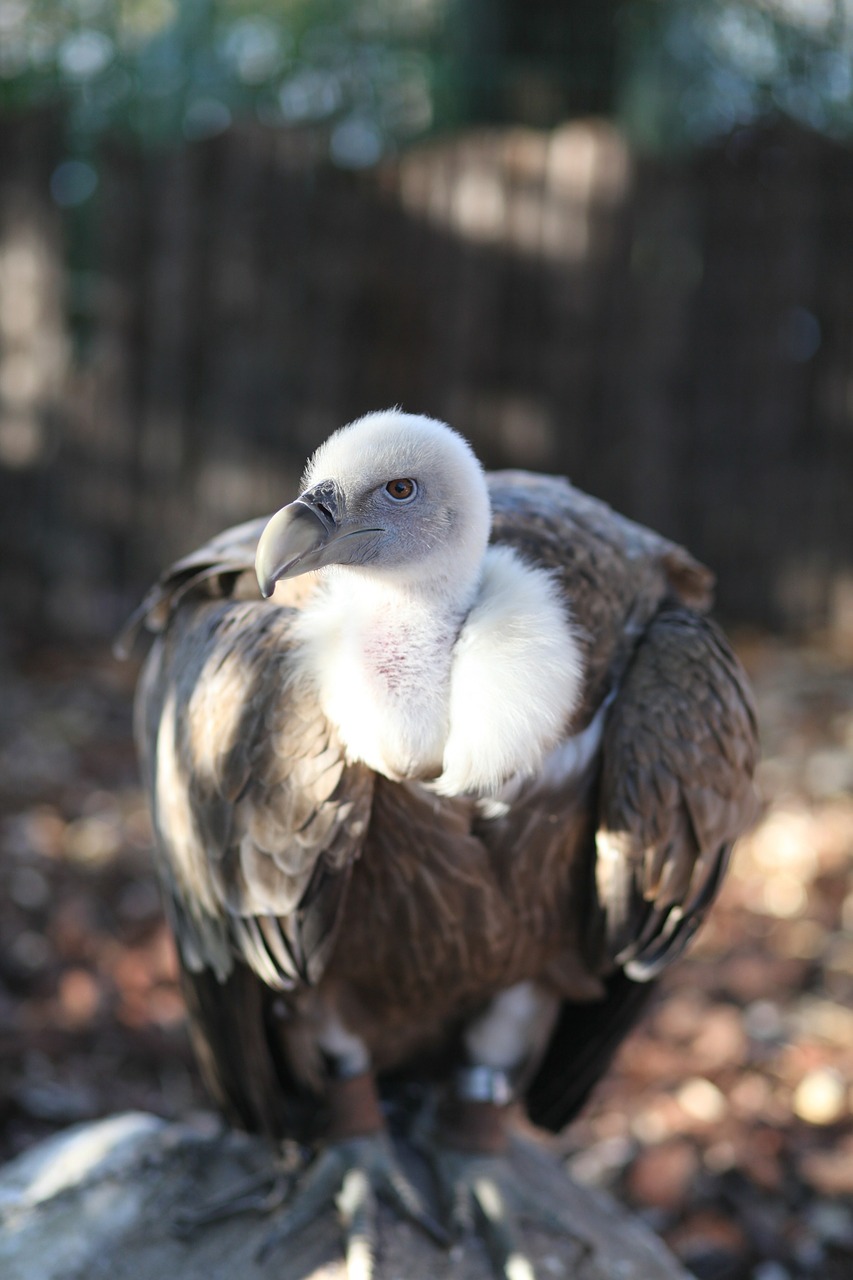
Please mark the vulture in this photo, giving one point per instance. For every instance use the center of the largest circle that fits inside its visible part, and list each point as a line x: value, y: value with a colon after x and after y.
x: 445, y: 768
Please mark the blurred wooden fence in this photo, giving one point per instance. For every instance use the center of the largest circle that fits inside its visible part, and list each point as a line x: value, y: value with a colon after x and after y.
x: 678, y: 338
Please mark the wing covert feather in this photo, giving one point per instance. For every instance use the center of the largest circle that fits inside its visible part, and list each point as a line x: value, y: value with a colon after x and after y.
x: 679, y: 753
x: 257, y: 817
x: 614, y: 574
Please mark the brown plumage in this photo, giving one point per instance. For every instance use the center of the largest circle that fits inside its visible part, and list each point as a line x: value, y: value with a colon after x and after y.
x: 300, y: 880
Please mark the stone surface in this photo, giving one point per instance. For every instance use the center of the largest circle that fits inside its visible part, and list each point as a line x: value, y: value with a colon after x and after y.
x: 98, y: 1201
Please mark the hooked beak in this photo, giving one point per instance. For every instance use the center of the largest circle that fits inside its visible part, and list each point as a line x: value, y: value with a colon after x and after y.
x: 299, y: 538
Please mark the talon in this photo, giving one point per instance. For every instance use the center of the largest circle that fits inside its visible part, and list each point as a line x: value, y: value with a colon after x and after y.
x: 518, y: 1268
x: 357, y: 1206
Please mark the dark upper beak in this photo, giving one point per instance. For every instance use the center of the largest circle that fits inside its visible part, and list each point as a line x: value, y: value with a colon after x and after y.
x: 292, y: 543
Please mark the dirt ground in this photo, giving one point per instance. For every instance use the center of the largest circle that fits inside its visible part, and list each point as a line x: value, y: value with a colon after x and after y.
x: 727, y: 1121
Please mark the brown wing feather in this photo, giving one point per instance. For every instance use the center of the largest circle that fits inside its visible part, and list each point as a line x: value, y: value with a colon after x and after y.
x: 680, y: 749
x: 675, y: 790
x: 257, y: 818
x: 222, y: 567
x: 614, y: 573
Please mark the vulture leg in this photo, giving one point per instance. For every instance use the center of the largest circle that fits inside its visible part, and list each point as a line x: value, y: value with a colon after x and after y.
x: 469, y: 1150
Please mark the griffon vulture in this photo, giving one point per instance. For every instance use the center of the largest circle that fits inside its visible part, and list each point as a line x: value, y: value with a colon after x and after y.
x: 435, y: 805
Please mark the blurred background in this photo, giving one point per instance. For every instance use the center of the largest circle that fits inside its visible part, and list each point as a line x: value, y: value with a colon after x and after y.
x: 609, y: 238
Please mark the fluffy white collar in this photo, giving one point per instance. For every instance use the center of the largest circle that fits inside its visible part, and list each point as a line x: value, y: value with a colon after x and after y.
x: 467, y: 699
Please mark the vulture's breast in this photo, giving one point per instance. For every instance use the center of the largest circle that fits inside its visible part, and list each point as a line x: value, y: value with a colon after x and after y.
x: 442, y: 913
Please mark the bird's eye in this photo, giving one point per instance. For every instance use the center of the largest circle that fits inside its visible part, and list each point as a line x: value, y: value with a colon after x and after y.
x: 401, y: 490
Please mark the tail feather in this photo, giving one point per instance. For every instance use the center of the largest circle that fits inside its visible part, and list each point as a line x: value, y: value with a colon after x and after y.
x: 230, y: 1031
x: 583, y: 1045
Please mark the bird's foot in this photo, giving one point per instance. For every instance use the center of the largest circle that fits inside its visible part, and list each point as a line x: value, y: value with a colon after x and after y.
x: 482, y: 1194
x: 354, y: 1174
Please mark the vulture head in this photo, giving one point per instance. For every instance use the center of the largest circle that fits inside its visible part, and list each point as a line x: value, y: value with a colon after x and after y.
x: 398, y: 495
x: 421, y: 620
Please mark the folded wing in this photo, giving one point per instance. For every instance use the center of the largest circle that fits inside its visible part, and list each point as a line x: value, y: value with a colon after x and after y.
x: 257, y: 816
x: 679, y: 753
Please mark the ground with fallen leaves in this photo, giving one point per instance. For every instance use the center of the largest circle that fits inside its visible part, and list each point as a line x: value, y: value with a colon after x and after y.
x: 727, y: 1121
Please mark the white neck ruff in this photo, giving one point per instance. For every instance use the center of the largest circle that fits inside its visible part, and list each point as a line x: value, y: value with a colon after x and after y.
x: 467, y: 694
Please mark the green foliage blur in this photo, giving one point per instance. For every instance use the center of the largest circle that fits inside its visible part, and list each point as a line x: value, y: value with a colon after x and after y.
x: 692, y: 70
x: 163, y: 70
x: 375, y: 74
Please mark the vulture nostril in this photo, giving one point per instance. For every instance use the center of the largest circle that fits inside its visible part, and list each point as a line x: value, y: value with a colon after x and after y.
x: 324, y: 510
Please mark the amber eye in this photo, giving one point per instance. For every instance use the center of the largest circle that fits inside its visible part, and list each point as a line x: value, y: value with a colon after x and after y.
x: 401, y: 490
